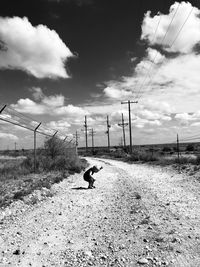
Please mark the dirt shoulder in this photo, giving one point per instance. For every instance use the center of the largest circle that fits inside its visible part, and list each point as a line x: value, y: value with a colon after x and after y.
x: 137, y: 215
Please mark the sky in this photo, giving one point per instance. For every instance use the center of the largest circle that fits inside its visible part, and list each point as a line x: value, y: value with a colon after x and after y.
x: 62, y: 60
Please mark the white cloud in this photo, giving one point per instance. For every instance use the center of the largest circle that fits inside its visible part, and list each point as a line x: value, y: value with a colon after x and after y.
x: 154, y: 56
x: 189, y: 36
x: 116, y: 93
x: 29, y: 106
x: 185, y: 118
x: 53, y: 105
x: 150, y: 115
x: 37, y: 93
x: 195, y: 124
x: 60, y: 125
x: 71, y: 110
x: 36, y: 50
x: 8, y: 136
x: 141, y: 123
x: 53, y: 100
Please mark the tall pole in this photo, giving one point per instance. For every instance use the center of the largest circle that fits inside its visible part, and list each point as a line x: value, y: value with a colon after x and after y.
x: 65, y: 138
x: 92, y: 140
x: 92, y: 133
x: 108, y: 132
x: 35, y: 130
x: 2, y: 109
x: 76, y: 135
x: 15, y: 148
x: 77, y: 138
x: 123, y: 125
x: 178, y: 152
x: 86, y: 138
x: 55, y: 134
x: 129, y: 112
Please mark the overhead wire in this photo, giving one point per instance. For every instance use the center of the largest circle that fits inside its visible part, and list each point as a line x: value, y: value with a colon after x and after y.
x: 189, y: 14
x: 153, y: 61
x: 153, y: 41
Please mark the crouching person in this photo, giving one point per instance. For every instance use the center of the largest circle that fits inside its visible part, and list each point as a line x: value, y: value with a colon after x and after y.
x: 87, y: 176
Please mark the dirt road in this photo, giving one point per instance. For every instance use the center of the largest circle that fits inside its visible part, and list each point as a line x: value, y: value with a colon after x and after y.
x: 137, y: 215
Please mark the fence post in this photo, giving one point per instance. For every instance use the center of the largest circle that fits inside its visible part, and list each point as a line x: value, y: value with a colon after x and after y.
x: 35, y: 130
x: 54, y: 134
x: 2, y: 109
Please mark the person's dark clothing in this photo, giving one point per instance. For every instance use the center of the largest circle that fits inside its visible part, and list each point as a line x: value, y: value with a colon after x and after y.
x: 87, y: 176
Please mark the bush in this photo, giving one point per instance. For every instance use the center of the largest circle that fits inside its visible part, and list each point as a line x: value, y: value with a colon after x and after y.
x: 142, y: 156
x: 54, y: 147
x: 198, y: 160
x: 190, y: 147
x: 166, y: 149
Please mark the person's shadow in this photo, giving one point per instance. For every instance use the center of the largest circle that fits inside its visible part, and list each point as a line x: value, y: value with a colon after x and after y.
x: 79, y: 188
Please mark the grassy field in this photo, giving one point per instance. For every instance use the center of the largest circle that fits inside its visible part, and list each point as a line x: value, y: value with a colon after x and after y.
x: 54, y: 163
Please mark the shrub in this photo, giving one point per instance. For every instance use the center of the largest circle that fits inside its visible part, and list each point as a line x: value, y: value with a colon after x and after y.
x: 54, y: 147
x: 166, y: 149
x: 198, y: 160
x: 190, y: 147
x: 142, y: 156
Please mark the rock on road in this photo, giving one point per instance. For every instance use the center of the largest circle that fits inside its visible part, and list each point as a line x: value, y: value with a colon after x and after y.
x: 138, y: 215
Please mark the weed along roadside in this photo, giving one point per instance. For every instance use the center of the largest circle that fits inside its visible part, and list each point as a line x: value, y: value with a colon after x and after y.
x: 54, y: 163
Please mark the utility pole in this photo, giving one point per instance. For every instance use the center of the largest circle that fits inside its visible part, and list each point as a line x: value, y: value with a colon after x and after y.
x: 129, y: 112
x: 178, y: 152
x: 35, y: 130
x: 15, y: 148
x: 76, y: 136
x: 86, y: 137
x: 123, y: 125
x: 108, y: 132
x: 92, y: 133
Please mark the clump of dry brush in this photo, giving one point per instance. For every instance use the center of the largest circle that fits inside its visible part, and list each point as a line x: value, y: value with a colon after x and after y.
x: 55, y: 162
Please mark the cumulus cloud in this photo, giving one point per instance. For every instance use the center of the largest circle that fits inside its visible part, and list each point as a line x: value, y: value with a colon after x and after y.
x: 185, y: 117
x: 141, y: 123
x: 52, y: 105
x: 170, y: 83
x: 8, y: 136
x: 36, y: 50
x: 116, y: 93
x: 71, y: 110
x: 195, y: 124
x: 152, y: 115
x: 37, y: 93
x: 189, y: 36
x: 26, y: 105
x: 60, y: 125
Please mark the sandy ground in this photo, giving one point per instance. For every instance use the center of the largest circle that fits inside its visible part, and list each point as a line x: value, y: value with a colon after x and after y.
x: 136, y: 215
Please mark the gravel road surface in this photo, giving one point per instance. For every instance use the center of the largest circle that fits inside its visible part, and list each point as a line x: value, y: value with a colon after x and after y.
x: 138, y: 215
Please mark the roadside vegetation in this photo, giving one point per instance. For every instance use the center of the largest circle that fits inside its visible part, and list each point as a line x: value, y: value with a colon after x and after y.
x: 55, y: 162
x: 166, y: 155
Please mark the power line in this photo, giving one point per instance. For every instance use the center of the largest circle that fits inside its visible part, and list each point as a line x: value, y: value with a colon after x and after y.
x: 108, y: 131
x: 139, y: 97
x: 129, y: 112
x: 144, y: 67
x: 123, y: 125
x: 182, y: 27
x: 153, y: 62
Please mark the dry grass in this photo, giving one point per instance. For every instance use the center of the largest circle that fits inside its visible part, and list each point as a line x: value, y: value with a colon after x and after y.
x: 53, y: 165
